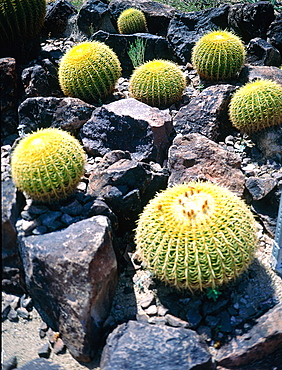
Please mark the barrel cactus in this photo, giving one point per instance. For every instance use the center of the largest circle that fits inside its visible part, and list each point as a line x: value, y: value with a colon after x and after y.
x: 20, y: 21
x: 131, y: 21
x: 89, y: 71
x: 157, y: 83
x: 196, y: 235
x: 48, y: 164
x: 256, y: 106
x: 218, y: 55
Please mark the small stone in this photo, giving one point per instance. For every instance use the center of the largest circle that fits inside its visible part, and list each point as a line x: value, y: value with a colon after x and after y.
x: 162, y: 311
x: 44, y: 351
x: 147, y: 301
x: 59, y: 347
x: 43, y: 329
x: 13, y: 315
x: 52, y: 336
x: 205, y: 332
x: 151, y: 310
x: 194, y: 318
x: 176, y: 322
x: 23, y: 313
x: 27, y: 304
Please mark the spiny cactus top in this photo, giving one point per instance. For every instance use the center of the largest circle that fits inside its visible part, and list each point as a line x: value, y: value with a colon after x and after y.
x: 218, y: 55
x: 158, y: 83
x: 89, y: 71
x: 256, y: 106
x: 131, y: 21
x: 196, y: 235
x: 20, y: 20
x: 48, y: 164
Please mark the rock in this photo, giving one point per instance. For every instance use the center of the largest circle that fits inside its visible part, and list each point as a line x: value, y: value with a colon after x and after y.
x: 23, y: 313
x: 13, y: 315
x: 8, y: 109
x: 185, y: 29
x: 157, y: 14
x: 41, y: 112
x: 176, y: 322
x: 83, y: 255
x: 56, y: 18
x: 59, y: 347
x: 110, y: 129
x: 194, y: 318
x: 251, y: 73
x: 44, y: 351
x: 251, y: 20
x: 259, y: 187
x: 41, y: 364
x: 10, y: 364
x: 93, y: 16
x: 138, y: 345
x: 262, y: 53
x: 41, y: 80
x: 274, y: 35
x: 156, y: 47
x: 263, y: 339
x: 207, y: 113
x: 269, y: 142
x: 194, y: 157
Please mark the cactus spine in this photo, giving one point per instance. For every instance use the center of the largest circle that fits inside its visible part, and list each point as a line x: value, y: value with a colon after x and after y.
x: 131, y: 21
x: 89, y: 71
x: 157, y: 83
x: 48, y: 164
x: 196, y: 235
x: 218, y: 55
x: 256, y: 106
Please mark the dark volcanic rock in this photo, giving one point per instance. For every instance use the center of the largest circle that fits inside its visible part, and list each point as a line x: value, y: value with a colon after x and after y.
x: 134, y: 345
x: 261, y: 52
x: 71, y: 276
x: 274, y: 34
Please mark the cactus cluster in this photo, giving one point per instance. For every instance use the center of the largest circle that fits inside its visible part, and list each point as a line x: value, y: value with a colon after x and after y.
x: 20, y: 21
x: 158, y: 83
x: 131, y: 20
x: 218, y: 55
x: 256, y: 106
x: 48, y: 164
x: 196, y: 235
x: 89, y: 71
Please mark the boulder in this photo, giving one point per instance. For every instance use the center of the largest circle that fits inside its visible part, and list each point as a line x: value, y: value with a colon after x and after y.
x: 135, y: 345
x: 251, y: 20
x: 41, y: 112
x: 195, y: 157
x: 251, y: 73
x: 264, y: 339
x: 206, y: 113
x: 262, y: 53
x: 71, y: 276
x: 274, y: 34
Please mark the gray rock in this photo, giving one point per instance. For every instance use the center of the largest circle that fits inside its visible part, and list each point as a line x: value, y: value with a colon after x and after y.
x: 139, y: 346
x: 10, y: 364
x: 251, y: 73
x: 274, y: 34
x: 41, y: 364
x: 72, y: 281
x: 260, y: 52
x: 193, y: 157
x: 251, y: 20
x: 259, y: 187
x: 42, y: 112
x: 269, y: 142
x: 207, y: 113
x: 44, y: 351
x: 263, y: 339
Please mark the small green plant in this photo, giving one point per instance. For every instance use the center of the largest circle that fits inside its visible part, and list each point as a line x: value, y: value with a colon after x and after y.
x: 213, y: 293
x: 158, y: 83
x: 218, y: 55
x: 256, y: 106
x: 89, y: 71
x: 48, y: 164
x: 131, y: 20
x: 136, y: 52
x: 196, y: 235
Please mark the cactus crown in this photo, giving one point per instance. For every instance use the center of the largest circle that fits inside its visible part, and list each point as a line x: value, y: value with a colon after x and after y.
x: 48, y: 164
x: 89, y: 71
x: 157, y: 83
x: 256, y: 106
x: 218, y: 55
x: 196, y: 236
x: 131, y: 20
x: 20, y: 20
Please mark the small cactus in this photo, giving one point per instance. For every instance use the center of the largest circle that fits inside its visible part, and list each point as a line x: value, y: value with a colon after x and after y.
x: 218, y: 55
x: 131, y: 21
x: 158, y: 83
x: 196, y: 235
x: 256, y: 106
x: 48, y: 164
x: 89, y: 71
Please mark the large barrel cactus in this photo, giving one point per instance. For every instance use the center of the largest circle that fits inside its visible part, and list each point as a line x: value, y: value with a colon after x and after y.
x: 196, y: 235
x: 131, y: 21
x: 89, y: 71
x: 48, y: 164
x: 20, y: 21
x: 256, y: 106
x: 218, y: 55
x: 158, y: 83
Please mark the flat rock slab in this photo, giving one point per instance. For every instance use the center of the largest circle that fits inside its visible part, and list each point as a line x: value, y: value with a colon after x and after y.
x: 136, y: 346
